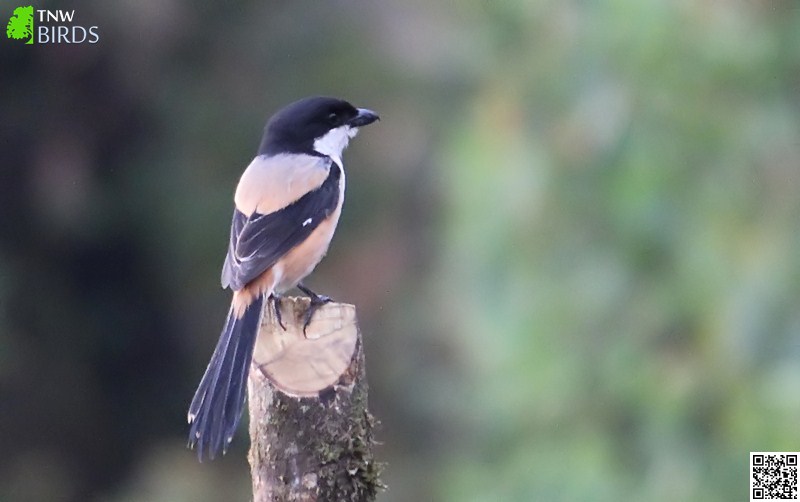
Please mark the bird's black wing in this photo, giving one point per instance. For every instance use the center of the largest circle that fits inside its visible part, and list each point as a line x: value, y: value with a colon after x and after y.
x: 258, y: 241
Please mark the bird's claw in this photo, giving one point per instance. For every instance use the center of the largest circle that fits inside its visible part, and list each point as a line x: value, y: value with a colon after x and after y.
x: 316, y: 302
x: 276, y: 305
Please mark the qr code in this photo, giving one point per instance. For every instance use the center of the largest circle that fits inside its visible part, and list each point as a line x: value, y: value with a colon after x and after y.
x: 773, y: 476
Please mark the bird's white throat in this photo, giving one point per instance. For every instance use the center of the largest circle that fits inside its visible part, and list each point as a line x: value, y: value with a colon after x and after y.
x: 335, y: 141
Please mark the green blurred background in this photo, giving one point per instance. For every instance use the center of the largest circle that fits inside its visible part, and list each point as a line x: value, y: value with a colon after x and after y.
x: 573, y: 240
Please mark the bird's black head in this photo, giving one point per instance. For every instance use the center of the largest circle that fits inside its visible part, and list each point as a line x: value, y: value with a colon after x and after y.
x: 317, y: 125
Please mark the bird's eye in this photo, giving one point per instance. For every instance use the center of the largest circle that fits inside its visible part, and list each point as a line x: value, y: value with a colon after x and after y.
x: 332, y: 117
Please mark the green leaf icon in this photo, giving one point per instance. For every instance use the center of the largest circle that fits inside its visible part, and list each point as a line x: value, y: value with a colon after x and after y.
x: 20, y: 26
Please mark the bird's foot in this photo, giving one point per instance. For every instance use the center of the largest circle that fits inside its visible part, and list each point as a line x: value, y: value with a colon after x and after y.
x: 316, y: 302
x: 275, y: 300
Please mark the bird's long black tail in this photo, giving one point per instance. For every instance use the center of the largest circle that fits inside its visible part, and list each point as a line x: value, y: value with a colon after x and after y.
x: 217, y: 405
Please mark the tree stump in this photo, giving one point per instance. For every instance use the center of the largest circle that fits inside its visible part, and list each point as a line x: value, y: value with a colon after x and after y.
x: 310, y: 431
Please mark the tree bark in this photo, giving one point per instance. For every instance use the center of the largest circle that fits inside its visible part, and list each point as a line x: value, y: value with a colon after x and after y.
x: 311, y: 435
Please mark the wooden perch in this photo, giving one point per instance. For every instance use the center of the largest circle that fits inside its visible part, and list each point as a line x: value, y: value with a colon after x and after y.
x: 310, y: 430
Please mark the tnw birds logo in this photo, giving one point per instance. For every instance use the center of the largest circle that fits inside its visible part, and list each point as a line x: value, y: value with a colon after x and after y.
x: 51, y: 27
x: 20, y: 26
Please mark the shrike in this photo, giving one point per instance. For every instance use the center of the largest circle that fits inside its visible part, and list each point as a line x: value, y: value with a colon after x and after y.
x: 288, y: 203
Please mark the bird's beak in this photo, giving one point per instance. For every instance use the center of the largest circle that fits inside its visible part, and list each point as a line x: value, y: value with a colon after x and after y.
x: 364, y: 117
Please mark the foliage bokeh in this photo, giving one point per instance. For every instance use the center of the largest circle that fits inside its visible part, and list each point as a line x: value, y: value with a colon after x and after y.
x: 573, y: 239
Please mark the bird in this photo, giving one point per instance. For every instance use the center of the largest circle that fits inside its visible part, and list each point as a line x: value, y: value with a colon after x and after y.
x: 287, y: 206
